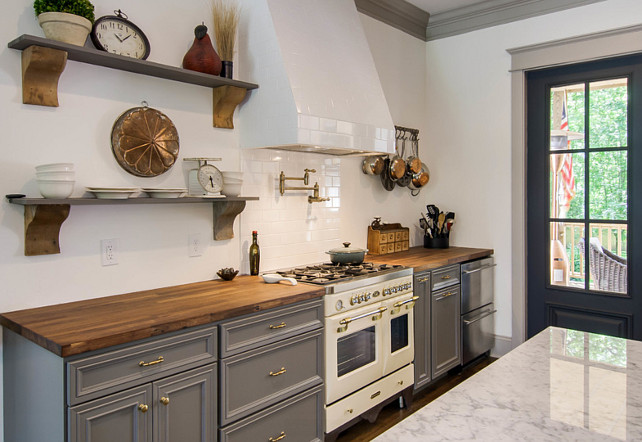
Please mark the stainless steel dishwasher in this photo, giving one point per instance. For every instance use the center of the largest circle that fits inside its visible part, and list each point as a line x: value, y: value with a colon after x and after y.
x: 477, y: 308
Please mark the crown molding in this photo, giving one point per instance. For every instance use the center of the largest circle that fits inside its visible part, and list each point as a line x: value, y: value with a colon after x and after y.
x: 398, y: 14
x: 492, y: 13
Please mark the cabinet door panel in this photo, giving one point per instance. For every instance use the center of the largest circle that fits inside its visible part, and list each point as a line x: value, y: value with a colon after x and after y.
x: 299, y: 418
x: 422, y: 329
x: 446, y: 339
x: 185, y: 406
x: 256, y: 379
x: 113, y: 418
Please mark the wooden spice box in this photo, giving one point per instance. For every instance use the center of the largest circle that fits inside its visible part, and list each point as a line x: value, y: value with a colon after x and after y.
x: 388, y: 238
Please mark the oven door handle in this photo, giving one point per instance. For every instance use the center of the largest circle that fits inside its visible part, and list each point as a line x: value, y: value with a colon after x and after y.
x: 376, y: 315
x: 479, y: 318
x: 409, y: 303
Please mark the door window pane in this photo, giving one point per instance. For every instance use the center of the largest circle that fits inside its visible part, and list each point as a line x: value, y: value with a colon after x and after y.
x: 608, y: 113
x: 567, y: 117
x: 355, y: 350
x: 608, y: 257
x: 567, y: 254
x: 566, y: 182
x: 608, y: 185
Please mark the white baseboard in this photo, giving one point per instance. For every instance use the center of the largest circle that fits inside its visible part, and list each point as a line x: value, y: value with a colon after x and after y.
x: 503, y: 344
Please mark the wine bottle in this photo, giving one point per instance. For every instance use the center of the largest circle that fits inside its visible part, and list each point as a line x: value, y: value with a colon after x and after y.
x: 255, y: 255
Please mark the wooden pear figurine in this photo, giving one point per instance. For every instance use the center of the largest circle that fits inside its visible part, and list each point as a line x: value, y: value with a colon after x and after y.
x: 201, y: 56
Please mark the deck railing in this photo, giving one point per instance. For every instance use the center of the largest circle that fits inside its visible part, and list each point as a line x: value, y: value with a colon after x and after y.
x: 612, y: 237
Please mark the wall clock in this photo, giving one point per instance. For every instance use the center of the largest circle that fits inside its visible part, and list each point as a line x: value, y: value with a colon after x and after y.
x: 117, y: 35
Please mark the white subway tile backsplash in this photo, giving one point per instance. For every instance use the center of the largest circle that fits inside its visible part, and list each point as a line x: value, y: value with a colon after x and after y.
x: 292, y: 232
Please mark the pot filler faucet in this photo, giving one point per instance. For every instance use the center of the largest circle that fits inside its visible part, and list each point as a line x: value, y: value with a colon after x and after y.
x: 315, y: 198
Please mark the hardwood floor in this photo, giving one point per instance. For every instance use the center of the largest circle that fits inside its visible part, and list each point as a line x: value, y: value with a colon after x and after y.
x: 392, y: 414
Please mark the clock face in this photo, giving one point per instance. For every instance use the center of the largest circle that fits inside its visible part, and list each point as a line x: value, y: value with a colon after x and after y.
x: 210, y: 178
x: 120, y: 36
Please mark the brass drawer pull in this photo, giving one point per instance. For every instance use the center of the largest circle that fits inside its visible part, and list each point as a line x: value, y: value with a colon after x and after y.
x: 279, y: 437
x: 164, y: 400
x: 277, y: 373
x: 445, y: 295
x: 143, y: 408
x: 281, y: 325
x: 147, y: 364
x: 446, y: 277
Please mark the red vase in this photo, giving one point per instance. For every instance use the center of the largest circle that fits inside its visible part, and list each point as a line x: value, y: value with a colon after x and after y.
x: 202, y: 57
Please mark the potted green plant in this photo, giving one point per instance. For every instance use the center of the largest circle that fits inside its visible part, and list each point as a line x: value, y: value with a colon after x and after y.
x: 69, y: 21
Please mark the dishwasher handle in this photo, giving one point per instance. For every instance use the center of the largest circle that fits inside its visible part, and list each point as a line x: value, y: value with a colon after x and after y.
x: 479, y: 318
x: 468, y: 272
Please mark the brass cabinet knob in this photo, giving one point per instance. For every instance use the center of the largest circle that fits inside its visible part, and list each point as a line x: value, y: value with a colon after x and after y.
x: 164, y: 400
x: 143, y: 408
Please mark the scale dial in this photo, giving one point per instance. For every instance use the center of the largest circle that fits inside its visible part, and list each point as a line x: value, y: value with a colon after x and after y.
x: 210, y: 178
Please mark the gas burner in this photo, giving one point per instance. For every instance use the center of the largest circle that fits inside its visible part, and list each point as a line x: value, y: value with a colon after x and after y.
x: 328, y: 273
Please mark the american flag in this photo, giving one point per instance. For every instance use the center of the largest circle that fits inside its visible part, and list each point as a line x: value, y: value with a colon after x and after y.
x: 568, y: 180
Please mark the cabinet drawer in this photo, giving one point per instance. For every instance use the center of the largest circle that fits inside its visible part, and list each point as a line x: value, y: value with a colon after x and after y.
x: 256, y: 379
x: 270, y: 326
x: 391, y: 236
x: 115, y: 370
x: 444, y: 277
x: 297, y: 419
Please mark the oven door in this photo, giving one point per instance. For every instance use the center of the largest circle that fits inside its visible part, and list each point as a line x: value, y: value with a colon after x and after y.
x: 353, y: 342
x: 398, y: 339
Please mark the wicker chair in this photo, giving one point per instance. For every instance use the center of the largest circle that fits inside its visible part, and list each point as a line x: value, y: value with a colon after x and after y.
x: 609, y: 271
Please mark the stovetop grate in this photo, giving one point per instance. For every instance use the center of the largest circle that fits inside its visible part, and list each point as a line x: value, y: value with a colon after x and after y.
x: 329, y: 273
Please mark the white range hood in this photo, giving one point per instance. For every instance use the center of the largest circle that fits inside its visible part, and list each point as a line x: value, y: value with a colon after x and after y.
x: 319, y: 90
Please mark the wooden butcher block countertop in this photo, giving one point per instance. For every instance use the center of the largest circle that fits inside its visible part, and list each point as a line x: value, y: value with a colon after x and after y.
x: 421, y: 259
x: 77, y: 327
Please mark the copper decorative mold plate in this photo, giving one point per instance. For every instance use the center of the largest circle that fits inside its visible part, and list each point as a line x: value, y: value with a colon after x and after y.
x: 145, y: 142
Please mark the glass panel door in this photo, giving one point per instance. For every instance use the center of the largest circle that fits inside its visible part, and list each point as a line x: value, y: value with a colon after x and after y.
x: 588, y: 185
x: 356, y: 350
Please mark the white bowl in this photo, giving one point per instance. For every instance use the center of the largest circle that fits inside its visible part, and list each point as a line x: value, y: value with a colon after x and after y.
x: 56, y: 176
x: 55, y: 167
x: 232, y: 181
x: 236, y: 175
x: 231, y: 189
x: 55, y: 189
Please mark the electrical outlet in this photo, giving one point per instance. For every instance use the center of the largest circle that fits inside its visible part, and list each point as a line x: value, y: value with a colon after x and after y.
x: 109, y: 251
x: 195, y: 244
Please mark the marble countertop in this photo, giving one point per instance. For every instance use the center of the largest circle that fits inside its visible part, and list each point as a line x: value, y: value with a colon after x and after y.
x: 559, y: 385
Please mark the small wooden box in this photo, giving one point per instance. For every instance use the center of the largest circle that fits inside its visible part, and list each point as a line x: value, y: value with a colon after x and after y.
x: 388, y: 238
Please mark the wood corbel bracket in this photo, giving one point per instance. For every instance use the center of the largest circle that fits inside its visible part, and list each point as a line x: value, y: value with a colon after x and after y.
x: 42, y: 228
x: 41, y: 70
x: 225, y: 101
x: 224, y: 215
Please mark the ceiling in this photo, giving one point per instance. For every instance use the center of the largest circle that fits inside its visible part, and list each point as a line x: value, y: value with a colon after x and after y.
x: 439, y: 6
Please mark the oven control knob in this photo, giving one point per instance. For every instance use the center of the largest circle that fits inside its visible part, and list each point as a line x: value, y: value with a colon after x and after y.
x: 394, y: 290
x: 353, y: 300
x: 375, y: 293
x: 368, y: 296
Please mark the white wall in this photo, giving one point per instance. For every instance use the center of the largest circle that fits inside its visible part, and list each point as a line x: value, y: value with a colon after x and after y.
x: 469, y: 121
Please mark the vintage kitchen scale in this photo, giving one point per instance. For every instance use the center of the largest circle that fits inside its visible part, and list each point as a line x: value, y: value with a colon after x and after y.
x: 206, y: 180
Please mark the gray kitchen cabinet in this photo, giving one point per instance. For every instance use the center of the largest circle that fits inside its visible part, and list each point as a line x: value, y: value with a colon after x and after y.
x: 436, y: 323
x: 445, y: 324
x: 115, y: 417
x: 114, y: 394
x: 180, y: 407
x: 422, y: 317
x: 271, y: 375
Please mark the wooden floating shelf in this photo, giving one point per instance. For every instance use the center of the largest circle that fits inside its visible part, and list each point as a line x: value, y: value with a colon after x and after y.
x: 100, y: 58
x: 44, y: 217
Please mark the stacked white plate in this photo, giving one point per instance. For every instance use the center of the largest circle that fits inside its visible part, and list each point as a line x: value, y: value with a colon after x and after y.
x: 232, y: 182
x: 113, y: 193
x: 55, y: 180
